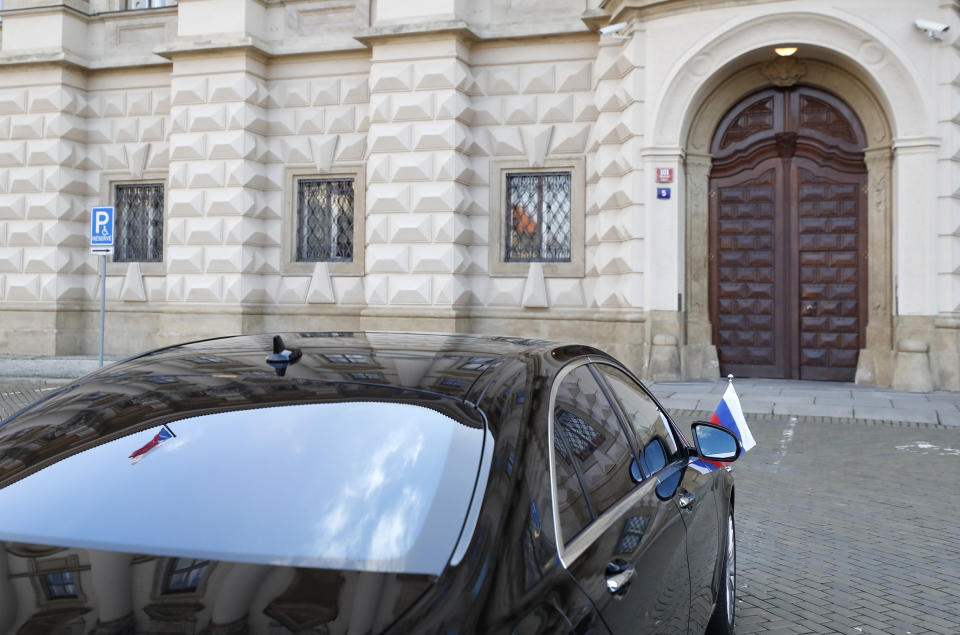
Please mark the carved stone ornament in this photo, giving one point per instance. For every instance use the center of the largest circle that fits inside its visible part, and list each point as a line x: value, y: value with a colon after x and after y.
x: 784, y: 71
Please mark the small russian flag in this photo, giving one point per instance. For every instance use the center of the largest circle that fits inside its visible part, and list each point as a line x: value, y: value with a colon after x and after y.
x: 729, y: 415
x: 164, y: 435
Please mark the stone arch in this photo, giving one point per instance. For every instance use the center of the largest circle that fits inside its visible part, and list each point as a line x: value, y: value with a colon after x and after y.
x: 876, y: 61
x: 734, y: 64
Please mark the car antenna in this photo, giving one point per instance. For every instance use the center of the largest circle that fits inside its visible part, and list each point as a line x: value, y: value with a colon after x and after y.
x: 282, y: 356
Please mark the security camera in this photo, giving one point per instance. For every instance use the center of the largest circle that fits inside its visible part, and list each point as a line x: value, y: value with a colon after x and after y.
x: 613, y: 29
x: 932, y: 29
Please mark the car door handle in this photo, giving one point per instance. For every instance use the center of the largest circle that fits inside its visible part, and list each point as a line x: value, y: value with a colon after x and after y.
x: 686, y: 500
x: 618, y: 574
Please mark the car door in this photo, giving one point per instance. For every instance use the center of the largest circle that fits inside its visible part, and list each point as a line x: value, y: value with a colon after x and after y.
x: 625, y: 545
x: 682, y: 479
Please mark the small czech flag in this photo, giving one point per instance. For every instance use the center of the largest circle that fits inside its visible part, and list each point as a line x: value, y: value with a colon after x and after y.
x: 729, y: 415
x: 164, y: 435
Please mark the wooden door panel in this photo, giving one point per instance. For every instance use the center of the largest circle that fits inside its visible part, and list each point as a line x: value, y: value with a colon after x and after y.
x: 744, y: 271
x: 829, y: 215
x: 788, y: 236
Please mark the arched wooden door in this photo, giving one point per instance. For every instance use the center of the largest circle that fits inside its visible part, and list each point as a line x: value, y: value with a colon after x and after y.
x: 788, y: 260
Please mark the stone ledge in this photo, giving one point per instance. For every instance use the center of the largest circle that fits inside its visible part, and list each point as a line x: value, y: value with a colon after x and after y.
x: 687, y: 416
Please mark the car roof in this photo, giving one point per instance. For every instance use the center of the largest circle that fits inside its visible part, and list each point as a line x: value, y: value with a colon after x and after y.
x: 437, y: 371
x: 448, y: 364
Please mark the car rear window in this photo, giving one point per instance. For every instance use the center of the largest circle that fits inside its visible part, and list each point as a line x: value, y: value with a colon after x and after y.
x: 364, y: 486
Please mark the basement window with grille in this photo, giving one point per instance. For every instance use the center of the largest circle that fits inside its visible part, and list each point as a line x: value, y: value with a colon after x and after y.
x: 139, y: 222
x: 540, y: 219
x: 324, y: 220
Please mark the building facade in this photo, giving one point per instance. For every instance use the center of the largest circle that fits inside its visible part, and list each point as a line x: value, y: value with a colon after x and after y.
x: 668, y: 188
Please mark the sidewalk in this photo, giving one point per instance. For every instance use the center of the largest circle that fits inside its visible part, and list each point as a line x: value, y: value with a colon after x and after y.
x: 820, y: 400
x: 23, y: 379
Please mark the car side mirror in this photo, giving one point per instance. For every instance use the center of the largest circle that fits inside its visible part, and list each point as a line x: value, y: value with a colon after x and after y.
x: 715, y: 443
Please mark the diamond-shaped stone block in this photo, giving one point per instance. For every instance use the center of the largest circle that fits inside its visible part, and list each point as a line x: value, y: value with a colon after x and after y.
x: 388, y: 258
x: 189, y: 90
x: 565, y: 292
x: 203, y: 288
x: 310, y: 121
x: 340, y: 119
x: 505, y: 141
x: 520, y: 110
x: 224, y: 259
x: 412, y: 107
x: 184, y: 259
x: 409, y: 228
x: 505, y: 291
x: 12, y: 154
x: 26, y: 180
x: 205, y: 174
x: 11, y: 260
x: 388, y: 197
x: 349, y: 290
x: 12, y: 207
x: 27, y: 127
x: 437, y: 258
x: 436, y: 74
x: 185, y: 147
x: 355, y: 89
x: 204, y: 231
x: 151, y: 129
x: 435, y: 136
x: 391, y: 77
x: 539, y: 78
x: 25, y: 287
x: 13, y: 101
x: 325, y: 91
x: 410, y: 290
x: 293, y: 290
x: 351, y: 147
x: 414, y: 166
x: 208, y: 118
x: 185, y: 202
x: 500, y: 81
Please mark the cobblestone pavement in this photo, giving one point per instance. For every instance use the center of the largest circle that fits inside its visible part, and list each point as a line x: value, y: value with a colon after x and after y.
x: 16, y: 394
x: 848, y: 528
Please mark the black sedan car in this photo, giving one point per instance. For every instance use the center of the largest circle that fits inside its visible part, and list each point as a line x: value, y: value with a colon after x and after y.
x: 352, y: 483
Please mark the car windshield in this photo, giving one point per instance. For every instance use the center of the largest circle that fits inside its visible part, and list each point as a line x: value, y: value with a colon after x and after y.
x: 365, y: 486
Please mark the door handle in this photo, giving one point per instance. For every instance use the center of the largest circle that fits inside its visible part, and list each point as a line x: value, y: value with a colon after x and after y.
x: 686, y: 500
x: 618, y: 573
x: 810, y: 308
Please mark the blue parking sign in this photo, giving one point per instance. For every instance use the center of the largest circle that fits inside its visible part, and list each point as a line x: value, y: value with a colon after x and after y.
x: 101, y: 227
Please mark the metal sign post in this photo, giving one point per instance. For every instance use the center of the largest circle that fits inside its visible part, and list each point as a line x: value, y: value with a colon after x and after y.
x: 101, y: 243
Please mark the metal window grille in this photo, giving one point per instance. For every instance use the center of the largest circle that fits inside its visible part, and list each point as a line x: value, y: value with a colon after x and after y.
x: 60, y: 585
x: 184, y: 575
x: 325, y: 220
x: 149, y: 4
x: 579, y: 436
x: 139, y: 222
x: 538, y: 217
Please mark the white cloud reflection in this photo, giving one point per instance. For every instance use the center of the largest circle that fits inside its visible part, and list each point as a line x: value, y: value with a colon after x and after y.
x: 356, y: 494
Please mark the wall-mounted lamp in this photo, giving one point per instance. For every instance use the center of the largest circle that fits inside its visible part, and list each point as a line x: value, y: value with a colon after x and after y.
x: 785, y: 51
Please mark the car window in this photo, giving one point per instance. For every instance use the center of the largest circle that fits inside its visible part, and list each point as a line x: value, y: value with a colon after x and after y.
x: 591, y: 449
x: 648, y: 425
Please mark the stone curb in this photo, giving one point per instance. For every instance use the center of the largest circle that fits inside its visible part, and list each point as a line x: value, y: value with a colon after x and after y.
x: 19, y: 368
x: 705, y: 415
